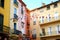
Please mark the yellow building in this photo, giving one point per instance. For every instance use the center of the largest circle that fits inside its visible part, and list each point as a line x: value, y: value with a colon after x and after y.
x: 45, y: 21
x: 4, y: 17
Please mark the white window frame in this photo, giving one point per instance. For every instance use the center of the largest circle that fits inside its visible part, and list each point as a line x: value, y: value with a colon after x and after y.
x: 56, y: 15
x: 48, y: 17
x: 57, y: 29
x: 50, y: 30
x: 42, y: 19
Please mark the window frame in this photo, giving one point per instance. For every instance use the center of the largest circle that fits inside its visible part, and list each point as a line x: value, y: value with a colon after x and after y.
x: 1, y: 24
x: 42, y: 19
x: 50, y: 30
x: 15, y: 24
x: 2, y: 3
x: 58, y: 29
x: 56, y: 15
x: 34, y: 21
x: 48, y: 7
x: 22, y: 24
x: 22, y: 12
x: 48, y: 18
x: 55, y: 5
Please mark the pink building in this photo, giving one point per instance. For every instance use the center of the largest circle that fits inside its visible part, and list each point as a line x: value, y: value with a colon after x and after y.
x: 21, y: 16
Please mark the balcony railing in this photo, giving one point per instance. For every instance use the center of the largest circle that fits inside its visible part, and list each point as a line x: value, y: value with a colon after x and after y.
x: 53, y: 33
x: 17, y: 32
x: 53, y: 19
x: 15, y: 18
x: 6, y: 29
x: 15, y: 2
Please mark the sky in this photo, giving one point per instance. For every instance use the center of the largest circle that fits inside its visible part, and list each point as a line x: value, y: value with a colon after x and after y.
x: 32, y: 4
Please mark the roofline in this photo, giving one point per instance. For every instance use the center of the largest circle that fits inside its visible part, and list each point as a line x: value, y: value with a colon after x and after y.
x: 45, y: 6
x: 22, y: 2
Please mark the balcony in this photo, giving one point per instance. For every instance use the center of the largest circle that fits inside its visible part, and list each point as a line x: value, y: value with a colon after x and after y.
x: 53, y: 33
x: 17, y: 32
x: 11, y: 33
x: 52, y: 20
x: 14, y: 33
x: 15, y: 2
x: 6, y: 29
x: 15, y: 18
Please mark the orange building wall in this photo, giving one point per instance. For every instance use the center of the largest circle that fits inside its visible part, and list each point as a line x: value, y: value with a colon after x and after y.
x: 28, y: 23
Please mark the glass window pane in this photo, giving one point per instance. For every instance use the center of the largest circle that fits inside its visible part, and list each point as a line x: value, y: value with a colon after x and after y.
x: 14, y: 26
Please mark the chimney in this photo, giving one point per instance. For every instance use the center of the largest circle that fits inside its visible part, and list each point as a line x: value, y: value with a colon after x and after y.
x: 43, y: 4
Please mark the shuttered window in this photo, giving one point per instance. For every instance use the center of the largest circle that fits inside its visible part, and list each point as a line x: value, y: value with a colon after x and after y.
x: 1, y: 23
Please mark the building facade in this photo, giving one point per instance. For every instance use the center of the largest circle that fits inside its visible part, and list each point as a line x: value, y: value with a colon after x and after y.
x: 45, y: 21
x: 22, y: 16
x: 18, y: 17
x: 4, y: 19
x: 14, y: 32
x: 28, y: 24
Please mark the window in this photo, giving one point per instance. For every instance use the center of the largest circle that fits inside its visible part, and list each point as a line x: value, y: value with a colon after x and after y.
x: 34, y: 22
x: 55, y: 5
x: 43, y: 31
x: 48, y: 17
x: 23, y: 31
x: 48, y: 7
x: 49, y: 30
x: 2, y: 3
x: 22, y: 9
x: 56, y: 15
x: 58, y: 29
x: 15, y: 2
x: 34, y: 34
x: 1, y: 22
x: 42, y: 19
x: 14, y: 26
x: 15, y: 10
x: 22, y: 24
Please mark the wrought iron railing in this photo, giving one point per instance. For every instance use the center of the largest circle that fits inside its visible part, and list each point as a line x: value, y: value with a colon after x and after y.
x: 50, y: 33
x: 17, y: 32
x: 50, y: 20
x: 15, y: 2
x: 15, y: 18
